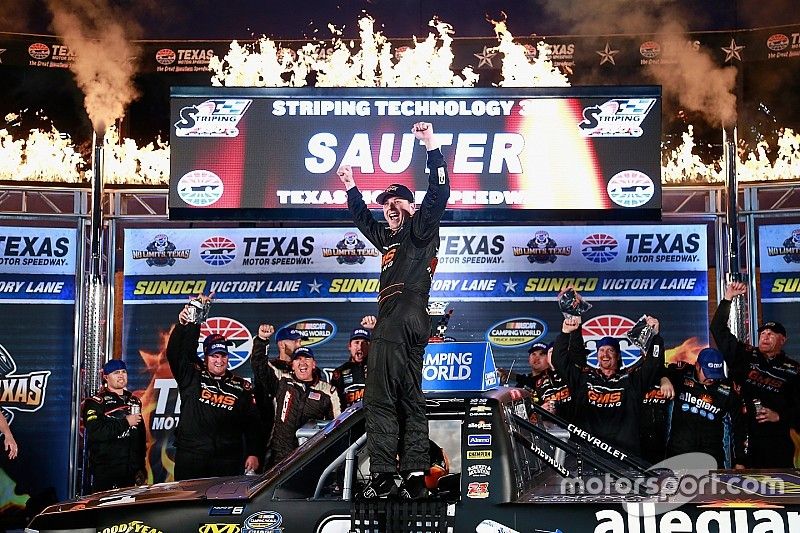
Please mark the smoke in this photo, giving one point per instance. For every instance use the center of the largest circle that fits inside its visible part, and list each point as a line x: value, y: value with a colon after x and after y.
x: 100, y: 40
x: 688, y: 74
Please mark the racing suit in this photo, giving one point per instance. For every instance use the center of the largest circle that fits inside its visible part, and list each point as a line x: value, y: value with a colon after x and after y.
x: 772, y: 381
x: 116, y: 450
x: 705, y: 418
x: 349, y: 381
x: 220, y: 425
x: 265, y: 399
x: 297, y: 402
x: 393, y: 400
x: 652, y: 425
x: 549, y: 386
x: 609, y: 407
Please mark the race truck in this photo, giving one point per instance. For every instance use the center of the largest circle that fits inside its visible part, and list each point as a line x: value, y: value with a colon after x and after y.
x: 513, y: 467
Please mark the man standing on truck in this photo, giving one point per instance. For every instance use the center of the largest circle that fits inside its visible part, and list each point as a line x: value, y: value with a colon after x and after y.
x: 393, y: 400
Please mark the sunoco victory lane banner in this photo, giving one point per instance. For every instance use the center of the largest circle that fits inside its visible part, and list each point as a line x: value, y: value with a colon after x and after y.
x: 501, y: 282
x: 37, y: 291
x: 238, y: 152
x: 779, y: 259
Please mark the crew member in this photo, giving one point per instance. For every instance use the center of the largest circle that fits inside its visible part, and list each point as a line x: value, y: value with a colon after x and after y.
x: 115, y: 432
x: 350, y: 378
x: 767, y: 376
x: 220, y: 431
x: 9, y: 444
x: 550, y: 389
x: 393, y: 401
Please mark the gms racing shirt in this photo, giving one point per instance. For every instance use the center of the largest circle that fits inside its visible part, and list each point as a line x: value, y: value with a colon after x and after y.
x: 218, y: 414
x: 609, y: 407
x: 350, y: 380
x: 113, y: 444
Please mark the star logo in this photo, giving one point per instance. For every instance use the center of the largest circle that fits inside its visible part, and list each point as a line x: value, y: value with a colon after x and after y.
x: 314, y: 286
x: 1, y: 53
x: 510, y: 285
x: 732, y: 51
x: 607, y: 54
x: 485, y: 57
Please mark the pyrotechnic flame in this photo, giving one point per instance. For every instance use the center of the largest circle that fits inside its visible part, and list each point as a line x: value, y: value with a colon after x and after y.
x: 686, y: 352
x: 41, y: 156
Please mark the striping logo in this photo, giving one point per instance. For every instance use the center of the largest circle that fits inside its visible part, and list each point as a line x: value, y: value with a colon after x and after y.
x: 777, y: 42
x: 479, y: 440
x: 630, y: 188
x: 615, y: 326
x: 318, y: 330
x: 478, y: 490
x: 479, y: 454
x: 650, y: 49
x: 790, y: 250
x: 542, y: 249
x: 516, y: 332
x: 200, y: 188
x: 39, y: 51
x: 479, y: 470
x: 217, y: 251
x: 350, y: 250
x: 263, y: 522
x: 161, y: 252
x: 165, y: 56
x: 239, y: 337
x: 212, y: 118
x: 620, y: 117
x: 599, y: 247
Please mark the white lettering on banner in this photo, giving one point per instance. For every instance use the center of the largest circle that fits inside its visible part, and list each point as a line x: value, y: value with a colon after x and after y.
x: 406, y: 108
x: 470, y: 153
x: 163, y: 418
x: 462, y: 197
x: 725, y: 521
x: 11, y: 286
x: 447, y: 366
x: 629, y: 284
x: 53, y: 287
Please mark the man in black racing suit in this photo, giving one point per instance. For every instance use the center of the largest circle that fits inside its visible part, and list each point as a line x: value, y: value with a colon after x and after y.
x: 220, y: 430
x: 766, y: 375
x: 350, y: 378
x: 393, y: 401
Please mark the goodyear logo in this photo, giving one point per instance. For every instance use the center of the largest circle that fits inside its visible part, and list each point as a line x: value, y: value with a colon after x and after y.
x: 133, y: 525
x: 479, y: 454
x: 516, y: 332
x: 318, y: 330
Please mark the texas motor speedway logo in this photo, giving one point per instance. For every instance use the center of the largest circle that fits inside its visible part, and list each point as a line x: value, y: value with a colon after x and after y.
x: 20, y: 392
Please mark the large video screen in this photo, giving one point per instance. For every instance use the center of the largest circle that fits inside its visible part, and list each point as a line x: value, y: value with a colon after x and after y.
x: 513, y: 154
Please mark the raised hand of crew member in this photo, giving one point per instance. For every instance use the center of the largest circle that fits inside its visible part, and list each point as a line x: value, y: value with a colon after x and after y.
x: 251, y: 463
x: 183, y: 316
x: 735, y: 288
x: 571, y: 324
x: 369, y: 321
x: 265, y: 331
x: 652, y: 322
x: 345, y: 174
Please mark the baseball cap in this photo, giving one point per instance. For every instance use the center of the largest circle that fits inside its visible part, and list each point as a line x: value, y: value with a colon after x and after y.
x: 608, y: 341
x: 712, y: 362
x: 303, y: 351
x: 113, y: 365
x: 360, y: 333
x: 215, y: 343
x: 537, y: 347
x: 775, y: 327
x: 288, y: 334
x: 395, y: 189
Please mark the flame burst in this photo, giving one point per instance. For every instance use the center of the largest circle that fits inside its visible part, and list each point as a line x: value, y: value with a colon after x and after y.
x: 686, y: 352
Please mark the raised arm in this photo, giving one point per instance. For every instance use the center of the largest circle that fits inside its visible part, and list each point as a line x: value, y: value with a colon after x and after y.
x: 263, y: 374
x: 182, y: 349
x: 562, y: 361
x: 365, y: 222
x: 727, y: 343
x: 426, y: 220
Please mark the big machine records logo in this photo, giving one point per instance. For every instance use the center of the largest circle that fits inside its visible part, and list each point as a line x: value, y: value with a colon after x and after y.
x: 217, y: 251
x: 615, y: 326
x: 620, y: 117
x: 161, y: 252
x: 20, y: 392
x: 350, y: 250
x: 239, y: 337
x: 212, y: 118
x: 599, y: 247
x: 630, y: 188
x: 790, y: 250
x: 516, y: 332
x: 200, y: 188
x: 542, y: 249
